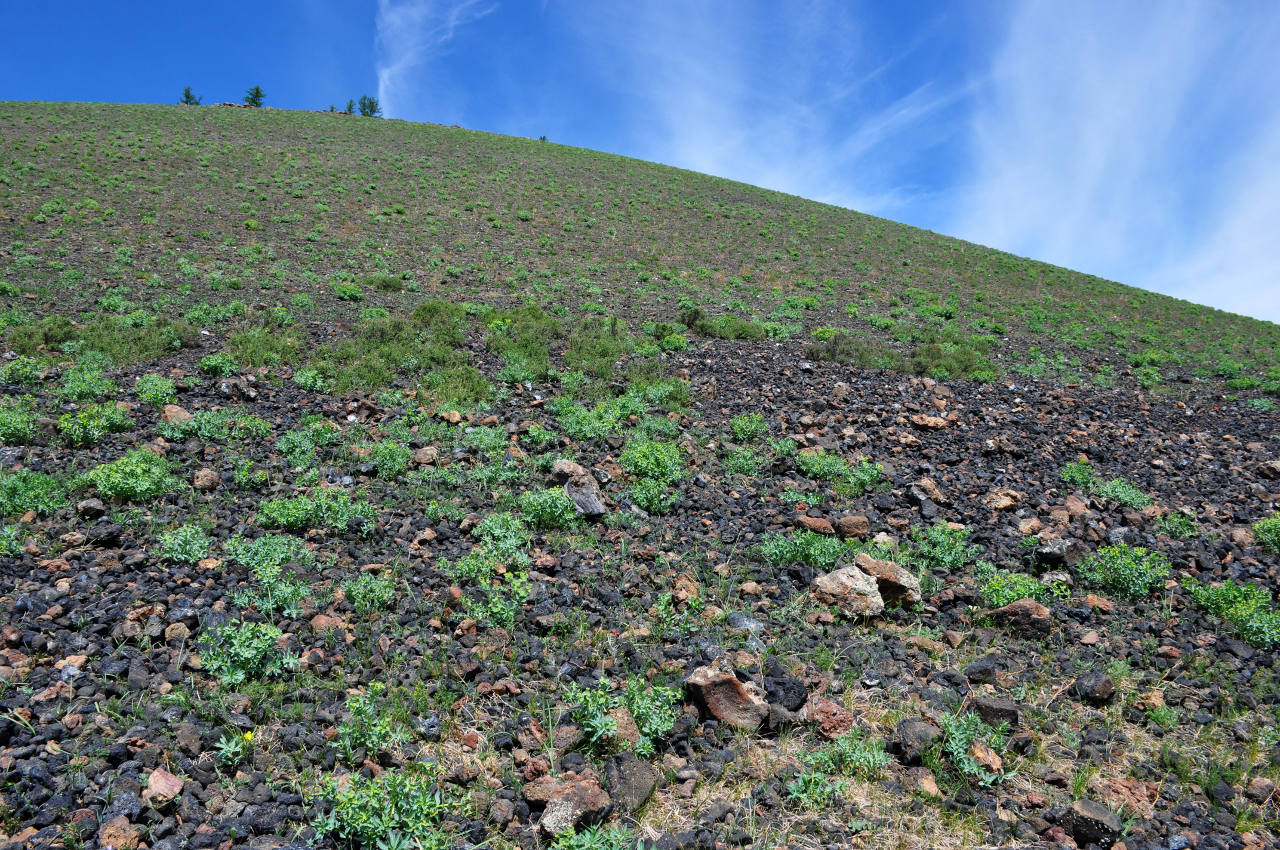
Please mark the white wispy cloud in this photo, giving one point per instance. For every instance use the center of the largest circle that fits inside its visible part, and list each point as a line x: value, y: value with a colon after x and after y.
x: 1139, y: 143
x: 408, y: 34
x: 795, y: 104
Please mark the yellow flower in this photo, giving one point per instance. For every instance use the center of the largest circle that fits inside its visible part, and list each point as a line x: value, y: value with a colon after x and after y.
x: 248, y: 736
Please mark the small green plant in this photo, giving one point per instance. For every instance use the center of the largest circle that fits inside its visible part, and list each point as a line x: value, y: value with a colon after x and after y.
x: 391, y: 458
x: 1078, y: 473
x: 852, y: 754
x: 239, y: 651
x: 748, y: 427
x: 1124, y: 492
x: 369, y: 593
x: 220, y: 365
x: 806, y: 547
x: 25, y: 490
x: 313, y: 381
x: 1000, y: 587
x: 590, y: 709
x: 92, y: 423
x: 961, y: 733
x: 653, y: 460
x: 611, y: 836
x: 327, y: 507
x: 1163, y: 716
x: 186, y: 544
x: 655, y: 709
x: 941, y: 547
x: 652, y: 497
x: 1267, y: 533
x: 17, y: 424
x: 747, y: 462
x: 1177, y: 525
x: 820, y: 465
x: 399, y: 808
x: 347, y: 291
x: 548, y: 509
x: 156, y: 390
x: 369, y: 727
x: 86, y: 383
x: 139, y: 476
x: 233, y: 748
x: 539, y: 439
x: 1128, y: 571
x: 1247, y: 608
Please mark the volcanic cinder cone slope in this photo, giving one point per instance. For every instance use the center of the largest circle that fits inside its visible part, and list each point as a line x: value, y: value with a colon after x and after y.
x: 370, y: 482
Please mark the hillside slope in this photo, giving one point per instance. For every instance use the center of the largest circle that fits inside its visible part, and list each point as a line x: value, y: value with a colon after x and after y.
x: 376, y: 485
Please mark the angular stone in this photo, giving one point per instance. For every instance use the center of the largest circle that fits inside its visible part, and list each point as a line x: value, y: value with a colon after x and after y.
x: 579, y: 799
x: 1026, y: 616
x: 162, y: 788
x: 986, y: 757
x: 585, y: 494
x: 119, y: 834
x: 851, y: 590
x: 1002, y: 500
x: 994, y: 710
x: 630, y: 781
x: 718, y: 690
x: 1094, y: 687
x: 426, y: 455
x: 171, y: 413
x: 205, y: 479
x: 831, y: 718
x: 563, y: 469
x: 1092, y: 823
x: 853, y: 526
x: 815, y: 524
x: 912, y: 738
x: 897, y: 586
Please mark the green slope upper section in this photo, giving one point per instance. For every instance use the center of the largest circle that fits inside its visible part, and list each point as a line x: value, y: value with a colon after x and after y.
x: 110, y: 206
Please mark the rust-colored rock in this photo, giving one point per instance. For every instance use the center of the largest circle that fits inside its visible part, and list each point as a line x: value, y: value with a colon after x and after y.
x: 718, y: 690
x: 119, y: 834
x: 205, y: 479
x: 853, y: 526
x: 831, y: 718
x: 1002, y: 499
x: 1026, y: 616
x: 927, y: 422
x: 815, y: 524
x: 162, y: 788
x: 171, y: 413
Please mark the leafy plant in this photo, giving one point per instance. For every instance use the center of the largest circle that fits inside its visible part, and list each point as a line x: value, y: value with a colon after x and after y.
x: 24, y: 490
x: 652, y: 497
x: 391, y: 458
x: 1267, y: 533
x: 156, y: 390
x: 1001, y: 587
x: 92, y: 423
x: 1177, y: 525
x: 86, y: 383
x: 547, y: 509
x: 744, y: 462
x: 1124, y: 492
x: 186, y: 544
x: 139, y: 476
x: 327, y: 507
x: 369, y: 593
x: 960, y: 734
x: 277, y: 590
x: 391, y: 809
x: 653, y: 460
x: 220, y: 365
x: 1128, y: 571
x: 1078, y: 473
x: 368, y: 725
x: 748, y: 427
x: 17, y: 424
x: 1246, y: 607
x: 239, y: 651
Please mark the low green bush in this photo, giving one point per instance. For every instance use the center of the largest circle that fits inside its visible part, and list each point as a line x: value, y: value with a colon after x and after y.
x: 92, y: 423
x: 653, y: 460
x: 24, y: 490
x: 17, y: 424
x: 327, y: 507
x: 401, y: 805
x: 1267, y: 533
x: 139, y: 476
x: 1247, y: 608
x: 1128, y: 571
x: 241, y: 651
x: 186, y: 544
x: 748, y: 427
x: 369, y: 593
x: 548, y: 509
x: 156, y: 390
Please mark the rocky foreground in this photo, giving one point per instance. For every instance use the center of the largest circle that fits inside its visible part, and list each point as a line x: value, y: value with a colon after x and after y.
x: 786, y: 660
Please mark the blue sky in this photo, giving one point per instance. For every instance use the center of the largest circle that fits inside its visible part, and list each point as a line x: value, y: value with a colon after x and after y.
x: 1137, y: 141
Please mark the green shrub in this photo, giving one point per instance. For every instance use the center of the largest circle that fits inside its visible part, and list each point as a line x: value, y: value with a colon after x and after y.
x: 1267, y: 533
x: 849, y: 349
x: 395, y: 807
x: 652, y: 496
x: 369, y: 727
x: 313, y: 381
x: 546, y: 509
x: 241, y: 651
x: 654, y: 708
x: 92, y: 423
x: 1001, y: 587
x: 86, y: 383
x: 1177, y: 525
x: 1078, y: 473
x: 347, y: 291
x: 608, y: 836
x: 141, y: 475
x: 46, y: 335
x: 264, y: 346
x: 820, y: 465
x: 747, y: 462
x: 945, y: 360
x: 721, y: 327
x: 369, y: 593
x: 17, y: 424
x: 657, y: 461
x: 1246, y: 607
x: 748, y: 427
x: 22, y: 370
x: 186, y: 544
x: 820, y: 551
x: 327, y: 507
x: 156, y: 390
x: 217, y: 426
x: 1124, y: 492
x: 596, y: 344
x: 539, y: 439
x: 24, y: 490
x: 391, y: 458
x: 941, y: 547
x: 503, y: 534
x: 276, y: 590
x: 11, y: 540
x: 462, y: 386
x: 852, y: 754
x: 220, y: 365
x: 959, y: 734
x: 1128, y: 571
